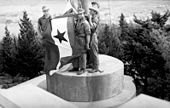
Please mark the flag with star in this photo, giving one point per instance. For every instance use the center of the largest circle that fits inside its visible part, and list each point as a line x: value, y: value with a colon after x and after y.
x: 62, y: 43
x: 61, y: 33
x: 64, y: 37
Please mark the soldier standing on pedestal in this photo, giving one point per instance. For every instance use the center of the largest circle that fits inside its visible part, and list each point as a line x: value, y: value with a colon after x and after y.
x: 83, y: 32
x: 94, y: 22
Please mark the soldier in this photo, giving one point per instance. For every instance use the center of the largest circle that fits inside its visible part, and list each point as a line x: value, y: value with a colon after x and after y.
x: 95, y: 4
x: 45, y: 28
x: 94, y: 22
x: 44, y: 24
x: 82, y: 32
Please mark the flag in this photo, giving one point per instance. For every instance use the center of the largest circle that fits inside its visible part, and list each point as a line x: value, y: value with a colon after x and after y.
x: 64, y: 37
x: 72, y: 5
x: 61, y: 47
x: 60, y: 36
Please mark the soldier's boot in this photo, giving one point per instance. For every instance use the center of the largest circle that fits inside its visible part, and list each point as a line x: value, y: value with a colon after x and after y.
x: 74, y: 69
x: 96, y: 70
x: 81, y: 71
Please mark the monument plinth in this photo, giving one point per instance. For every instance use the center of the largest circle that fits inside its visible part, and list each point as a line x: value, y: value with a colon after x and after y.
x: 89, y: 86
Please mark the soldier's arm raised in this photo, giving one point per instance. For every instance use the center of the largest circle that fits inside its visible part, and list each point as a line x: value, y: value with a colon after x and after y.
x: 95, y: 22
x: 66, y: 15
x: 87, y: 32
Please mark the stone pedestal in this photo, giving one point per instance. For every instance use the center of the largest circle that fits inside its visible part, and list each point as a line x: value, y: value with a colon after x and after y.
x: 89, y: 86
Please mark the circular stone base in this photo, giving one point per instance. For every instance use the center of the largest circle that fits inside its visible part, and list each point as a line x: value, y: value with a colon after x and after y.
x: 89, y: 87
x: 127, y: 93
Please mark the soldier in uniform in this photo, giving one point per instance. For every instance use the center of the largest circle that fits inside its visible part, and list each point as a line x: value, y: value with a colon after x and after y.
x: 44, y: 29
x: 94, y: 22
x: 82, y: 35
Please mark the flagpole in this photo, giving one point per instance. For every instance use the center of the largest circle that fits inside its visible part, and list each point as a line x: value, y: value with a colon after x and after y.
x: 85, y: 5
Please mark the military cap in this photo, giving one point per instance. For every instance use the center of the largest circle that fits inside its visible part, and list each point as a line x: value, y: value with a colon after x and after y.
x: 94, y: 9
x: 95, y: 3
x: 45, y: 8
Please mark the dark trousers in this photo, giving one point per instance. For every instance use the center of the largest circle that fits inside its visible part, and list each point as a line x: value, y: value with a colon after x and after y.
x: 80, y: 62
x: 93, y: 53
x: 80, y: 50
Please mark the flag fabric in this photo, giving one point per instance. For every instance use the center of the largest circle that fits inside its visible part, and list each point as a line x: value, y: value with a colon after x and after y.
x: 60, y: 35
x: 51, y: 57
x: 71, y: 5
x: 63, y: 43
x: 64, y: 37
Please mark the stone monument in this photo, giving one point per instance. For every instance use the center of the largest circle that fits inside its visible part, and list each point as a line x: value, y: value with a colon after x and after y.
x: 88, y: 87
x: 62, y: 88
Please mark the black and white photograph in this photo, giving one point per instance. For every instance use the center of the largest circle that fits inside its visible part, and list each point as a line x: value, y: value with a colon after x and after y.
x: 84, y: 53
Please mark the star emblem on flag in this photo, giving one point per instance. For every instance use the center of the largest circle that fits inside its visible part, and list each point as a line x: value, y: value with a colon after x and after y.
x: 60, y: 36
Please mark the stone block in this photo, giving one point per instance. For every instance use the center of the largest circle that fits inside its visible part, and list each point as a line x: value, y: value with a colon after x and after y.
x: 6, y: 103
x: 145, y: 101
x: 29, y: 96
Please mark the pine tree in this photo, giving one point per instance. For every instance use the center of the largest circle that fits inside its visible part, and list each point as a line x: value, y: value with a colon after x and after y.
x: 157, y: 21
x: 30, y: 52
x: 122, y: 22
x: 147, y: 62
x: 124, y: 27
x: 109, y: 42
x: 160, y: 19
x: 7, y: 44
